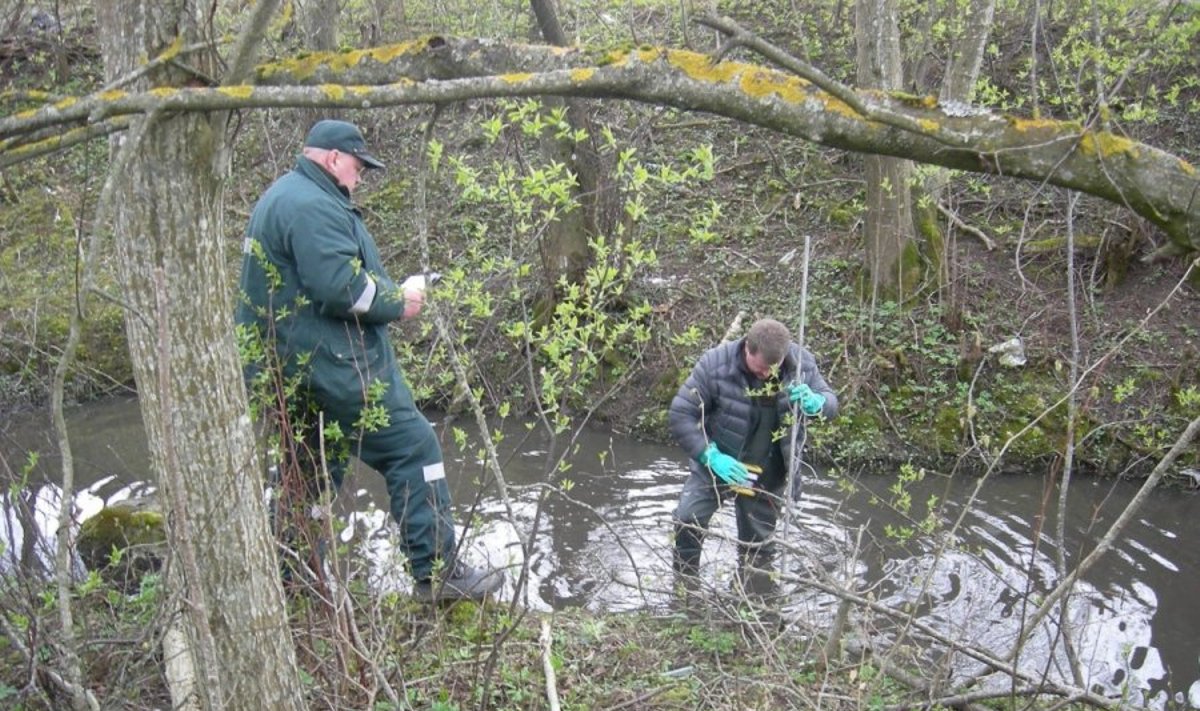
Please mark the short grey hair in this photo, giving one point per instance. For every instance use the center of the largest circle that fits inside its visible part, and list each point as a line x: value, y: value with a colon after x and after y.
x: 316, y: 155
x: 768, y: 339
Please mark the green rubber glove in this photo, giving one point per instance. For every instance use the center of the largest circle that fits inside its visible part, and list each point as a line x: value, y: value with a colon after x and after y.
x: 728, y: 469
x: 811, y: 403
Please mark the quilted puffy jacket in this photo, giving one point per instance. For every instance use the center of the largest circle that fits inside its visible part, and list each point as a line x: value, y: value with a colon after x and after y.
x: 714, y: 404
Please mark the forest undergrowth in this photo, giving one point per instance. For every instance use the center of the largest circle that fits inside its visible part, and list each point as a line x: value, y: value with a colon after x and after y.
x: 705, y: 221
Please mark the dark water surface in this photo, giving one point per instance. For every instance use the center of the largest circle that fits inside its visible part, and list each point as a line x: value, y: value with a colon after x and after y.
x: 604, y: 544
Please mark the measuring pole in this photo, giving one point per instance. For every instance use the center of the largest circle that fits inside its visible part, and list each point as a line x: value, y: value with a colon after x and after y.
x: 793, y: 469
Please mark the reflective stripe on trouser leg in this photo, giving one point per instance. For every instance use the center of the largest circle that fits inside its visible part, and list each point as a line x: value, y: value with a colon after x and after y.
x: 408, y: 455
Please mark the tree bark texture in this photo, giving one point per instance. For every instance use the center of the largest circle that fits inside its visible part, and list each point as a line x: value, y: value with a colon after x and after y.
x: 565, y: 250
x: 319, y: 18
x: 973, y: 30
x: 1163, y: 188
x: 888, y: 230
x: 972, y: 25
x: 320, y: 24
x: 168, y: 231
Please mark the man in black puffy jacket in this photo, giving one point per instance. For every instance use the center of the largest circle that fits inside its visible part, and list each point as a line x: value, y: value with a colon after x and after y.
x: 732, y: 417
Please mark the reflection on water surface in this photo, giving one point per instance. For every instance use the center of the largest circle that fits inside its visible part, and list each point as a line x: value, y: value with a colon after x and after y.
x: 604, y: 544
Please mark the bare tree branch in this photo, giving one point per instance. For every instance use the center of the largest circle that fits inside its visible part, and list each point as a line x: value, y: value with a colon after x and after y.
x: 1155, y: 184
x: 253, y: 32
x: 860, y: 103
x: 1110, y: 536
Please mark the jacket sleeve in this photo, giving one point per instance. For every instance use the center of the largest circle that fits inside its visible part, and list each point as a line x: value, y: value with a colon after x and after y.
x: 331, y: 271
x: 811, y: 375
x: 691, y: 404
x: 388, y: 304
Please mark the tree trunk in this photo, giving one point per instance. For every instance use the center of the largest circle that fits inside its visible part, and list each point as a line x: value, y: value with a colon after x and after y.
x: 966, y: 52
x: 972, y: 28
x: 319, y: 19
x: 320, y: 25
x: 168, y: 230
x: 892, y: 261
x: 564, y: 248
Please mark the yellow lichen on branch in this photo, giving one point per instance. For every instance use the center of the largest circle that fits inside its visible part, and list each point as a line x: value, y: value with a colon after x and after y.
x: 616, y: 58
x: 171, y: 51
x: 582, y: 75
x: 1106, y: 145
x: 758, y: 83
x: 650, y: 54
x: 304, y: 66
x: 701, y: 67
x: 754, y: 81
x: 1025, y: 125
x: 835, y: 105
x: 241, y: 91
x: 337, y: 92
x: 389, y: 52
x: 112, y: 95
x: 516, y: 78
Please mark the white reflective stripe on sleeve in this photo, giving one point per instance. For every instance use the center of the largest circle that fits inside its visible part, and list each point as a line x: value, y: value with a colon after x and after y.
x: 367, y: 298
x: 433, y: 472
x: 247, y: 245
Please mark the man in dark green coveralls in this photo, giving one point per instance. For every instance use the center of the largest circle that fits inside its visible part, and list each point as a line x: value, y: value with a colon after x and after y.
x: 315, y: 295
x: 734, y: 410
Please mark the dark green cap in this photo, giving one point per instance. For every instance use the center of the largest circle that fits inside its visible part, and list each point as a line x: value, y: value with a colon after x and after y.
x: 341, y: 136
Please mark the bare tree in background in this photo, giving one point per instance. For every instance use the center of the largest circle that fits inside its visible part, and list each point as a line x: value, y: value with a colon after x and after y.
x: 891, y: 249
x: 565, y: 250
x: 972, y: 31
x: 320, y: 18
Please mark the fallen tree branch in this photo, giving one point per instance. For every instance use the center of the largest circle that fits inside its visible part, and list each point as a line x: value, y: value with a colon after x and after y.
x: 1157, y: 185
x: 968, y: 700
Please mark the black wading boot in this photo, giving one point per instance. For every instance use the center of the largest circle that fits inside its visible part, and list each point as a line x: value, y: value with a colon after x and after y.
x: 458, y: 582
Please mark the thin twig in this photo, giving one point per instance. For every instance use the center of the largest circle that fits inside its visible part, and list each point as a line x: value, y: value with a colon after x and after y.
x: 973, y: 231
x: 637, y: 701
x: 1181, y: 445
x: 932, y: 634
x: 969, y: 699
x: 168, y: 55
x: 1060, y: 530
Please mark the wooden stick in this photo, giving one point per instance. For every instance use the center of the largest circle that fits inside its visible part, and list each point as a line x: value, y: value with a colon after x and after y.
x: 548, y: 668
x: 793, y: 469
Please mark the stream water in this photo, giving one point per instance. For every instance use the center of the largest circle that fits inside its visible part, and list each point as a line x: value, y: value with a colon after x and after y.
x: 604, y: 544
